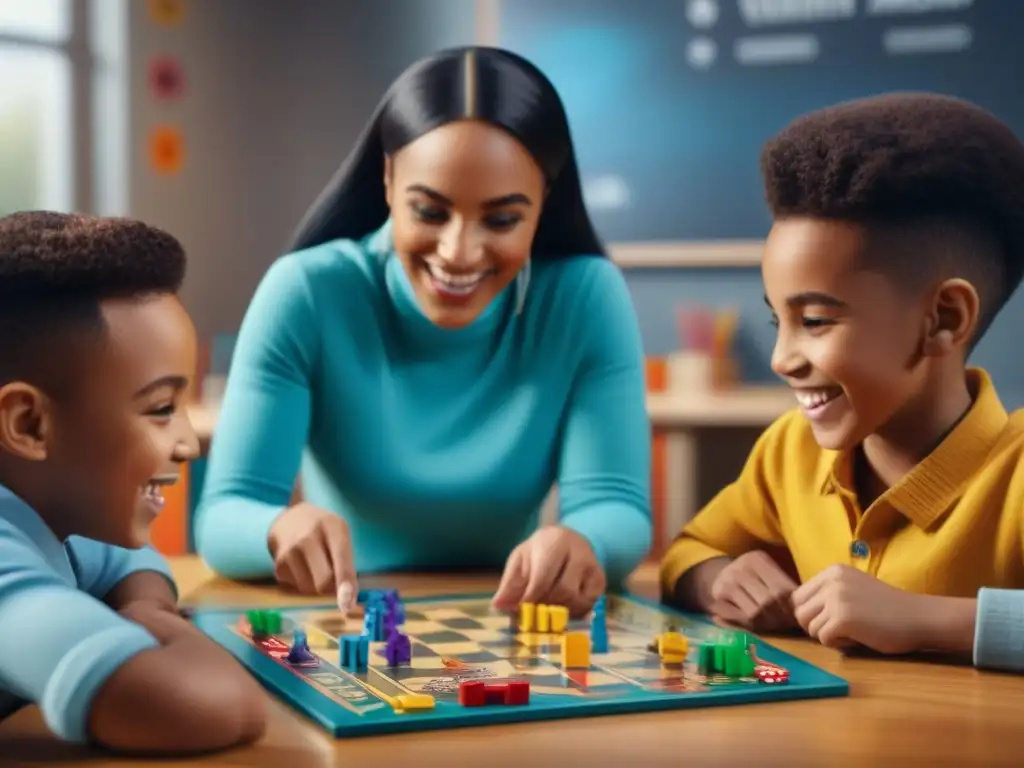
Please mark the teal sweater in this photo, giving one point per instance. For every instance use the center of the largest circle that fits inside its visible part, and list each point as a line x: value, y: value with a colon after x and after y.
x: 437, y: 446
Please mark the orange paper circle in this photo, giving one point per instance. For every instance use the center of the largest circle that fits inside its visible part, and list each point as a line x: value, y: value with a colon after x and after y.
x: 167, y: 12
x: 166, y: 150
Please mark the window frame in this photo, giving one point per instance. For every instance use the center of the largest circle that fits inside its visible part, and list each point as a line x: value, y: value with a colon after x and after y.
x: 79, y: 54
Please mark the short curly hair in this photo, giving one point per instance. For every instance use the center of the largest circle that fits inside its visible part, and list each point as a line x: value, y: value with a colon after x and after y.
x: 937, y: 180
x: 55, y: 271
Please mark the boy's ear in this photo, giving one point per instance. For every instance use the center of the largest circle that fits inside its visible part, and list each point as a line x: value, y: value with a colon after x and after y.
x: 953, y: 319
x: 26, y: 421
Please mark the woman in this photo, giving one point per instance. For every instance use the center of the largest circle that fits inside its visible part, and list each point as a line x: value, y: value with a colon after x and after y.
x: 445, y: 341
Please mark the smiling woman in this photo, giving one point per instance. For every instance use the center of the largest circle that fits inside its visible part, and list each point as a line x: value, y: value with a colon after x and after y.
x: 446, y: 341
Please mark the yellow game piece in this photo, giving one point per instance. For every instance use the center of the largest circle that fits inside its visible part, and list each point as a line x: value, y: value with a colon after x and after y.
x: 576, y: 650
x: 412, y: 701
x: 558, y: 617
x: 673, y: 647
x: 526, y: 614
x: 542, y: 618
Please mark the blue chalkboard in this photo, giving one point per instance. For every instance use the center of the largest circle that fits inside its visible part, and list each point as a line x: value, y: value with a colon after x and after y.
x: 669, y: 124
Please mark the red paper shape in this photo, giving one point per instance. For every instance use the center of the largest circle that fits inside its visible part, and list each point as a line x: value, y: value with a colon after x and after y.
x: 166, y: 79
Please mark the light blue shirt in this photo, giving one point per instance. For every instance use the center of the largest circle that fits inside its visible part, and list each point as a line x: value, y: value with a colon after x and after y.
x: 59, y: 643
x: 438, y: 446
x: 999, y: 630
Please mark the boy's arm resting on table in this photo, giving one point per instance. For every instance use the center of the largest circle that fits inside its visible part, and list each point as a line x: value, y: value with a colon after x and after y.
x: 262, y: 427
x: 99, y: 677
x: 741, y: 518
x: 120, y: 576
x: 605, y: 462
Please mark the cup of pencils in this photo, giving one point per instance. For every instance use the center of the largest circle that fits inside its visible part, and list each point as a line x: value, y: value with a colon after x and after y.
x: 705, y: 358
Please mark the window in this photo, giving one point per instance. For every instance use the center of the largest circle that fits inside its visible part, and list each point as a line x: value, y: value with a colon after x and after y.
x: 52, y: 72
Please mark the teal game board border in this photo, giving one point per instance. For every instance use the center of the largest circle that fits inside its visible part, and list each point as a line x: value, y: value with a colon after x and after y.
x: 806, y: 681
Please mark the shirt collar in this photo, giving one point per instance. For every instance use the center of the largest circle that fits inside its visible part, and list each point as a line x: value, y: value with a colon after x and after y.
x: 27, y: 521
x: 932, y: 487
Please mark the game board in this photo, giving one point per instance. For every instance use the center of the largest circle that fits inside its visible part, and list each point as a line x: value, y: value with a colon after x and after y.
x: 454, y: 639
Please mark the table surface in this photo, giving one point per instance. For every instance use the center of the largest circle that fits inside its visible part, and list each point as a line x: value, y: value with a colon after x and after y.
x: 898, y: 712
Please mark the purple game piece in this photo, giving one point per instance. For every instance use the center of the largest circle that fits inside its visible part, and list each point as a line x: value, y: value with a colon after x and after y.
x: 398, y: 649
x: 300, y: 655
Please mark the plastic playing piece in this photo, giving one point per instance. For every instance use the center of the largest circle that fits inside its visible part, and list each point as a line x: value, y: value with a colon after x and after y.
x: 398, y: 649
x: 575, y: 650
x: 672, y: 647
x: 300, y: 653
x: 477, y: 693
x: 599, y: 638
x: 472, y: 693
x: 412, y: 701
x: 355, y: 652
x: 263, y: 623
x: 527, y: 611
x: 558, y: 617
x: 373, y: 625
x: 542, y: 618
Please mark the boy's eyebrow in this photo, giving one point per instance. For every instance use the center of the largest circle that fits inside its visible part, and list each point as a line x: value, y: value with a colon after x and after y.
x: 811, y: 299
x: 175, y: 382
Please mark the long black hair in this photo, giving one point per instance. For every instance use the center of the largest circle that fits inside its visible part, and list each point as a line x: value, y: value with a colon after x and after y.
x: 488, y: 84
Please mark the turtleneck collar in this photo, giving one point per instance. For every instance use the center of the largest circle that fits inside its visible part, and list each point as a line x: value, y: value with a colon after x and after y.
x: 415, y: 323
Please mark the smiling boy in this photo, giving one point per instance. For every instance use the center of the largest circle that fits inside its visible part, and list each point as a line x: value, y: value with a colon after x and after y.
x: 875, y: 513
x: 96, y: 353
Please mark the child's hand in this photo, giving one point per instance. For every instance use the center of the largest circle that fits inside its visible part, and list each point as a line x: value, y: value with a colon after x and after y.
x: 842, y: 607
x: 754, y: 592
x: 556, y: 566
x: 313, y: 553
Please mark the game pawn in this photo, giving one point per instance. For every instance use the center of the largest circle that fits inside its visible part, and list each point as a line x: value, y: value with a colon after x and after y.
x: 300, y: 655
x: 398, y: 649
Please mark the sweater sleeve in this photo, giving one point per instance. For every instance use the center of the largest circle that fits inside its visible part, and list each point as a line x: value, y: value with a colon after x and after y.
x: 999, y: 630
x: 605, y: 467
x: 262, y: 428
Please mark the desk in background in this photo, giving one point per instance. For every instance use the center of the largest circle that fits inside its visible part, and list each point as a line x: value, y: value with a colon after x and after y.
x: 676, y: 419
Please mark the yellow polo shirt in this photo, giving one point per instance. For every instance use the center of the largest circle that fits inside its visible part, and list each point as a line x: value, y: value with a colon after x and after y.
x: 951, y: 526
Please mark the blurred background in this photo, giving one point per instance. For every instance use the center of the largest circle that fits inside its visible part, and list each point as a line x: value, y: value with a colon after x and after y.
x: 221, y: 120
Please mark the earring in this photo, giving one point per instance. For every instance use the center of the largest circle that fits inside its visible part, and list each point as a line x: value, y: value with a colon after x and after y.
x: 522, y: 284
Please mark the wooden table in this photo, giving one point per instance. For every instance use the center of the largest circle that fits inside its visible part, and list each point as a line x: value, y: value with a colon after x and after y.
x: 899, y: 713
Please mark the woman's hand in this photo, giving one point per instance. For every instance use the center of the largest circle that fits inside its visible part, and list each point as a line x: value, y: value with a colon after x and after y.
x: 313, y: 553
x: 555, y: 566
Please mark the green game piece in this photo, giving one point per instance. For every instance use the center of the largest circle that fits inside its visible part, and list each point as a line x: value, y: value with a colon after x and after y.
x: 706, y: 659
x: 257, y: 624
x: 273, y: 621
x: 263, y: 623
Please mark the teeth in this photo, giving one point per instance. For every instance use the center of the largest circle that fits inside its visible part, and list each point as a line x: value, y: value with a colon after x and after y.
x: 815, y: 398
x: 456, y: 283
x: 152, y: 491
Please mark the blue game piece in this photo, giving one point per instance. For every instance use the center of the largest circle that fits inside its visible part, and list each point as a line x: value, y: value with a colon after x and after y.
x: 373, y: 625
x: 355, y: 652
x: 599, y: 627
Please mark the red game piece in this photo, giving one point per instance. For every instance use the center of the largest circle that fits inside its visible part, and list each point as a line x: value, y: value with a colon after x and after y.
x: 517, y: 692
x: 472, y: 693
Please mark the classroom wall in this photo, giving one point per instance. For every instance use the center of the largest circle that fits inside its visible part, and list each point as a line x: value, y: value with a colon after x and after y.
x: 275, y: 94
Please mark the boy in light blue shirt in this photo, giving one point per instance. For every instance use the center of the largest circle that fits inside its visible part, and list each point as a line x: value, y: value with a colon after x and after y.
x: 96, y: 354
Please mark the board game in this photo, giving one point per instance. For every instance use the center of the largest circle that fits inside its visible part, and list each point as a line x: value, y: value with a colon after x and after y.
x: 453, y: 662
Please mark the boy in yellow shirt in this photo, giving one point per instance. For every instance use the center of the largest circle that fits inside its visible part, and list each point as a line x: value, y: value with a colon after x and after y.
x: 874, y: 513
